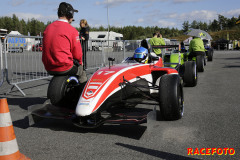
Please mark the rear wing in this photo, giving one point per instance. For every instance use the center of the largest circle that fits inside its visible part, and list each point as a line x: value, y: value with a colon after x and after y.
x: 176, y: 47
x: 165, y: 46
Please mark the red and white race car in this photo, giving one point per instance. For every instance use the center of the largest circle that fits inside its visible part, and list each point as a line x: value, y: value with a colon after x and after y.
x: 112, y: 93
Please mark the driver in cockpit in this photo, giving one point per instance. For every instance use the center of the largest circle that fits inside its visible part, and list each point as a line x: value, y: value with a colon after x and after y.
x: 141, y: 55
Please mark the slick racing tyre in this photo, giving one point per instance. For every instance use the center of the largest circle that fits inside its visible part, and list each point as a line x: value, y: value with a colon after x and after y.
x: 171, y: 97
x: 210, y: 55
x: 64, y: 91
x: 205, y: 59
x: 190, y: 74
x: 200, y: 63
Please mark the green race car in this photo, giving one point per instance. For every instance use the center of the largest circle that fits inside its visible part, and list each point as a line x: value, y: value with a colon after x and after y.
x: 179, y: 60
x: 187, y: 69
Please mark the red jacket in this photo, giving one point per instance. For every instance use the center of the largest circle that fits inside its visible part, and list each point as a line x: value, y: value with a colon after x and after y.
x: 61, y: 45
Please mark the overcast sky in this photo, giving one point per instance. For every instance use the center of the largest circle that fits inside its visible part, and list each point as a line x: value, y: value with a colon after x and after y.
x: 162, y: 13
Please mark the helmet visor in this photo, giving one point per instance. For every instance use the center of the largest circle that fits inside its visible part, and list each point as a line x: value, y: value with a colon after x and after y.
x: 138, y: 55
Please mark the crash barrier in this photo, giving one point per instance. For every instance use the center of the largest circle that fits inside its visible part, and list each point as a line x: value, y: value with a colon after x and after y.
x: 8, y: 143
x: 21, y: 57
x: 22, y: 60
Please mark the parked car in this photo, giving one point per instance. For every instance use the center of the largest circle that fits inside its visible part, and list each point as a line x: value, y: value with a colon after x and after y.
x: 15, y: 49
x: 37, y: 47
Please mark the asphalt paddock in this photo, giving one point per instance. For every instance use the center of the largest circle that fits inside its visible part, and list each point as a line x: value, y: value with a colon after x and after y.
x: 211, y: 120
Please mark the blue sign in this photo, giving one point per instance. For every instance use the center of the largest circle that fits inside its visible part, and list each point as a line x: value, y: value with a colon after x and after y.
x: 17, y: 42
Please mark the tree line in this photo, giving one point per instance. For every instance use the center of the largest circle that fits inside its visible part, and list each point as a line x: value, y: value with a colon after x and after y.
x: 35, y: 27
x: 222, y: 23
x: 139, y: 32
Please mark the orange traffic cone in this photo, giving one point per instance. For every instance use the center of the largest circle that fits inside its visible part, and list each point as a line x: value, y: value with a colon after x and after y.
x: 8, y: 143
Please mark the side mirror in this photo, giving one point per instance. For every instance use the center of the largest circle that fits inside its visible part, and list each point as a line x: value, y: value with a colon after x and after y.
x: 155, y: 58
x: 110, y: 59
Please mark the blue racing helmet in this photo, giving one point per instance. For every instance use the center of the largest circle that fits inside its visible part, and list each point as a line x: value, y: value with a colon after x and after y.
x: 141, y: 55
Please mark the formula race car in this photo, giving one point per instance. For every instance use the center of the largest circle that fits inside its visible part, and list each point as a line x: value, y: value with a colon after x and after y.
x: 208, y: 49
x: 174, y: 58
x: 112, y: 93
x: 200, y: 59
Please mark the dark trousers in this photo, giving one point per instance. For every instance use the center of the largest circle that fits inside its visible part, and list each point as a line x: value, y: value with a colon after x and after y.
x: 74, y: 71
x: 194, y: 54
x: 84, y: 51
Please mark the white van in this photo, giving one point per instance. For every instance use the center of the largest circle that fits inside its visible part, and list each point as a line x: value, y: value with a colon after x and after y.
x: 99, y: 39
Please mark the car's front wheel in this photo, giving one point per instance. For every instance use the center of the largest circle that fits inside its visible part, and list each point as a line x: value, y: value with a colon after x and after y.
x: 171, y: 97
x: 64, y: 91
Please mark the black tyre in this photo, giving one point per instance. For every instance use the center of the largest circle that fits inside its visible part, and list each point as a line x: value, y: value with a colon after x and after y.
x: 205, y: 59
x: 190, y: 74
x: 210, y: 55
x: 171, y: 97
x: 200, y: 63
x: 64, y: 91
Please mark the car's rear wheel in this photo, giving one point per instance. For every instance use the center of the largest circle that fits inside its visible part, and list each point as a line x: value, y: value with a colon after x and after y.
x: 205, y: 59
x: 210, y: 55
x: 171, y: 97
x: 190, y: 74
x: 200, y: 63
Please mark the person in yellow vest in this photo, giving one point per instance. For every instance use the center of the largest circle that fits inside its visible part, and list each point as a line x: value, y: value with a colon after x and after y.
x: 157, y: 40
x: 196, y: 47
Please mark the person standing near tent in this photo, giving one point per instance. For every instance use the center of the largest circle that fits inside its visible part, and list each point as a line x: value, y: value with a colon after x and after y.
x: 157, y: 40
x: 196, y: 47
x: 84, y: 36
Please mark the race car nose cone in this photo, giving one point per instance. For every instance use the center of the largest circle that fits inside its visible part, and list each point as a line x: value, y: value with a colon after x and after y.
x: 83, y: 109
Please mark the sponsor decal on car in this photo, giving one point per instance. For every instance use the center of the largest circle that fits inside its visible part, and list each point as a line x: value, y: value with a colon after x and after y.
x: 72, y: 78
x: 84, y: 104
x: 97, y: 80
x: 89, y: 92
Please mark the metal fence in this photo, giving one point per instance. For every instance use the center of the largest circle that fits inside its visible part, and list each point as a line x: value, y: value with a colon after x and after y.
x: 22, y: 60
x: 21, y: 57
x: 1, y: 65
x: 98, y: 52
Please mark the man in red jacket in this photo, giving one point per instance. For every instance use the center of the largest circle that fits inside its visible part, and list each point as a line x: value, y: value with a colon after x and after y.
x: 62, y: 51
